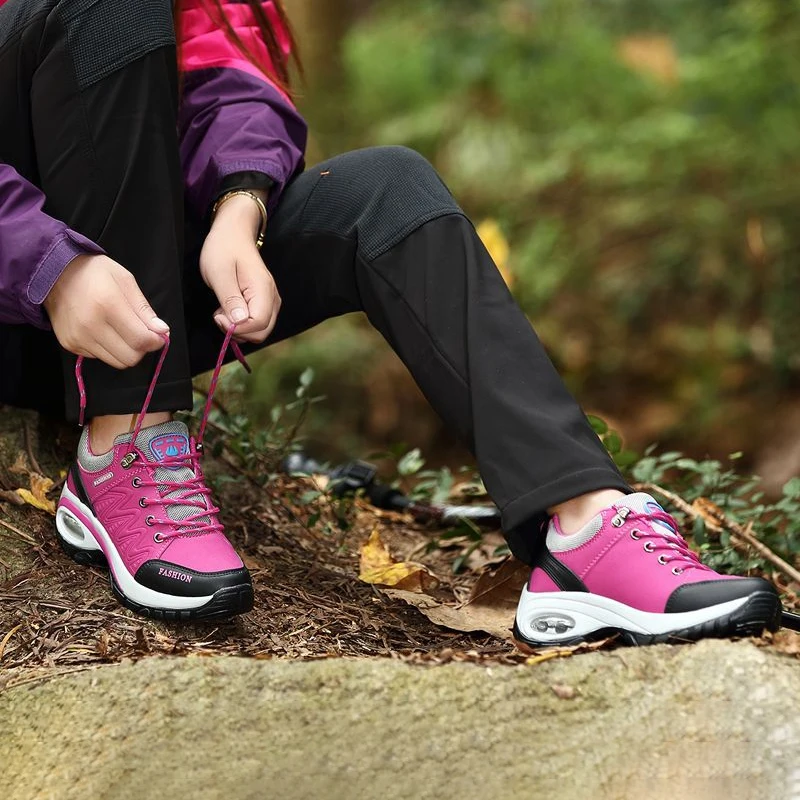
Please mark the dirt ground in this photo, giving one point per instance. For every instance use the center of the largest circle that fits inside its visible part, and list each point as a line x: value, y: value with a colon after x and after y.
x: 58, y: 617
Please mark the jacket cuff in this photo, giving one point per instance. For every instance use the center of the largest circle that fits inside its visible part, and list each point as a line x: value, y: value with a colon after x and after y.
x: 64, y: 249
x: 274, y: 178
x: 245, y: 180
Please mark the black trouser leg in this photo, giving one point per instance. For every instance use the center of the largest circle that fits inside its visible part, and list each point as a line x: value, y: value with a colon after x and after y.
x: 377, y: 231
x: 89, y: 91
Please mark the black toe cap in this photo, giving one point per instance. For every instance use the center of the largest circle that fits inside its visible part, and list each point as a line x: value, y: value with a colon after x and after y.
x: 693, y: 596
x: 161, y: 576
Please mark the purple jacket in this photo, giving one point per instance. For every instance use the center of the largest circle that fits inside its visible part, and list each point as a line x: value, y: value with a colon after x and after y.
x: 233, y: 119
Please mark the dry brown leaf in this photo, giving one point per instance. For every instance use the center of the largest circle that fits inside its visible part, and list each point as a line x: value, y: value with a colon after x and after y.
x: 453, y: 617
x: 20, y: 465
x: 711, y: 513
x: 379, y: 568
x: 490, y: 607
x: 36, y: 496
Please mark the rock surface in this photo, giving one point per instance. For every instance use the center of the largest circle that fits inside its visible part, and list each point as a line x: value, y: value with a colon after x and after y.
x: 714, y: 720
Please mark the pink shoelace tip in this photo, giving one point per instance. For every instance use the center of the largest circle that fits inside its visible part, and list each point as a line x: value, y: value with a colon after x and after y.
x: 228, y: 342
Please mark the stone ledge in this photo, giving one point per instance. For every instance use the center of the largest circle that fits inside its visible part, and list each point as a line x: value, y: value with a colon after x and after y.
x: 713, y: 720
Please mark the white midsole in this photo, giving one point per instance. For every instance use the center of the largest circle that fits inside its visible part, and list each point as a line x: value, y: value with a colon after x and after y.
x: 581, y: 613
x: 124, y: 580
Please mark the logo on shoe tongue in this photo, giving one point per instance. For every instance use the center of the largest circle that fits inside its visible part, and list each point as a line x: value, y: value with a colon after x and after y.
x: 169, y: 445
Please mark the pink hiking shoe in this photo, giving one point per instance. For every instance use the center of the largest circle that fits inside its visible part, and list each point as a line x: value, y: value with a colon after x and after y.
x: 144, y: 510
x: 629, y: 571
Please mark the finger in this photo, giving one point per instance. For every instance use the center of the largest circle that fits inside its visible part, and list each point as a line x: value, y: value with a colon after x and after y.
x: 252, y: 338
x: 130, y: 328
x: 276, y: 308
x: 258, y: 289
x: 226, y: 287
x: 100, y: 352
x: 221, y: 321
x: 142, y: 308
x: 119, y: 349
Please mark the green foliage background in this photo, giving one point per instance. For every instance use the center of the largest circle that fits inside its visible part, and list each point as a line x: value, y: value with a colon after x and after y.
x: 653, y: 221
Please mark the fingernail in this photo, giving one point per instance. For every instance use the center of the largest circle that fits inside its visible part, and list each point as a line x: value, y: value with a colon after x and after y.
x: 238, y: 315
x: 159, y: 325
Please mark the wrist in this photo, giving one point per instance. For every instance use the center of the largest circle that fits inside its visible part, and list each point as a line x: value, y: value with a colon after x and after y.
x: 241, y: 212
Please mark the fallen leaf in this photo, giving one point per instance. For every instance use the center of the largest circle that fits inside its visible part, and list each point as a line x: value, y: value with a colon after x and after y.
x: 711, y: 513
x: 453, y: 617
x: 379, y: 568
x: 36, y: 496
x: 20, y: 465
x: 490, y: 607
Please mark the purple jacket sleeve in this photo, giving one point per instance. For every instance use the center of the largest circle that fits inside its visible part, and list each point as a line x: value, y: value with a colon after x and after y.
x: 34, y: 250
x: 232, y: 121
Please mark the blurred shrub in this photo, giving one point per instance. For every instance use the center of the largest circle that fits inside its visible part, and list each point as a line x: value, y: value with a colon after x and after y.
x: 642, y: 159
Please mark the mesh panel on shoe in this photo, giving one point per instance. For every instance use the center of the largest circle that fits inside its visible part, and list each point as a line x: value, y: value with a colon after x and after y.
x: 559, y: 543
x: 146, y: 436
x: 88, y: 460
x: 640, y: 502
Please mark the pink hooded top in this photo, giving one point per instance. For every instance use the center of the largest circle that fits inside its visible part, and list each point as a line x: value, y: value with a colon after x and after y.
x: 236, y: 128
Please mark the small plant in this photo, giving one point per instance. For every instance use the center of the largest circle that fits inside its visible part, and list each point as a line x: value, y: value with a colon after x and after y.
x: 256, y: 452
x: 774, y: 523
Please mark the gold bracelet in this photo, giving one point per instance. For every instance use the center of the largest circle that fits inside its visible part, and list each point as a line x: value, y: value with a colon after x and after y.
x: 258, y: 201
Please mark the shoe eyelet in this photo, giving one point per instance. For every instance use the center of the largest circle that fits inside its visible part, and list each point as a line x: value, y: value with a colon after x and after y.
x: 158, y: 538
x: 648, y: 547
x: 634, y: 534
x: 136, y: 483
x: 662, y: 561
x: 143, y: 502
x: 677, y: 571
x: 149, y: 520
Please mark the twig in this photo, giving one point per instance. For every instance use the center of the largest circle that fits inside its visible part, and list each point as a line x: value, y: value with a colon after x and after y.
x: 720, y: 522
x: 25, y: 536
x: 5, y: 639
x: 29, y: 449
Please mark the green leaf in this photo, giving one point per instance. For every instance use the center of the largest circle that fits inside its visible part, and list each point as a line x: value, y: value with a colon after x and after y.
x: 599, y: 425
x: 310, y: 496
x: 613, y: 442
x: 699, y: 532
x: 306, y: 377
x: 411, y: 463
x: 626, y: 458
x: 792, y: 488
x: 458, y: 563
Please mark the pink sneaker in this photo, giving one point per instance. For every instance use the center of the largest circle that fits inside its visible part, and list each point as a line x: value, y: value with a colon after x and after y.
x: 628, y: 571
x: 144, y: 510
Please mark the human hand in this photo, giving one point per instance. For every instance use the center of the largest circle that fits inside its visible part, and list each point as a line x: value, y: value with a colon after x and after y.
x: 231, y: 266
x: 97, y: 310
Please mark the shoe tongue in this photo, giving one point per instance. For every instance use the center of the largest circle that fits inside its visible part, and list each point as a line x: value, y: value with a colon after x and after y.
x: 159, y: 442
x: 643, y: 503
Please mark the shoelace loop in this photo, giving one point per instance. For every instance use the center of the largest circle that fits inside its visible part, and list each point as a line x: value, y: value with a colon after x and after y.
x: 193, y: 492
x: 675, y: 546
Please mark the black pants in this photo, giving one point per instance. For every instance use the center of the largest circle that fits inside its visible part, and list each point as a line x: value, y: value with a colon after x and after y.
x: 374, y: 230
